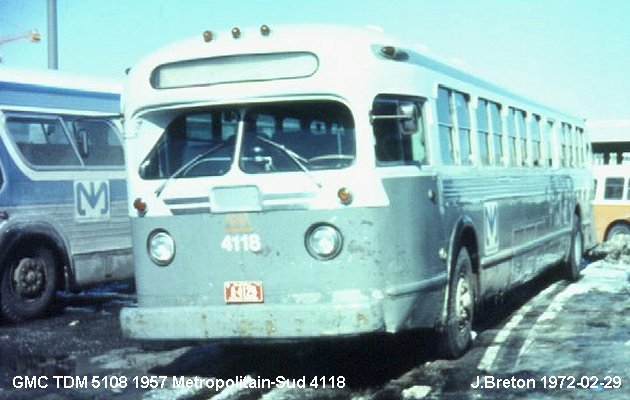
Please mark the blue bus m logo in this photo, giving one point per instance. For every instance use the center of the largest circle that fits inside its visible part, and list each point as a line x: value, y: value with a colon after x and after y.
x: 91, y: 200
x: 491, y: 222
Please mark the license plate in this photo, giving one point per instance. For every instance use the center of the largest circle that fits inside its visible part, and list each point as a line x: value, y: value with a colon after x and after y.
x: 243, y: 292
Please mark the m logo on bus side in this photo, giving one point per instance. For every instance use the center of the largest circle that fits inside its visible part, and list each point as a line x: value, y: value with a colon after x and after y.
x: 91, y: 200
x: 491, y: 218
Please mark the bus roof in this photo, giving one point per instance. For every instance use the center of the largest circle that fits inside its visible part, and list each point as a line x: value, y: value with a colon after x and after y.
x: 361, y: 48
x: 609, y: 130
x: 57, y: 90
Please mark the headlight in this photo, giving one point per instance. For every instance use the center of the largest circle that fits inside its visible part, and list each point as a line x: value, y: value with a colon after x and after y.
x: 323, y: 241
x: 161, y: 247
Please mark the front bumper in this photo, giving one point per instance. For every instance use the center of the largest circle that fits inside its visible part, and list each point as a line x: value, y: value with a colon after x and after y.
x: 253, y: 321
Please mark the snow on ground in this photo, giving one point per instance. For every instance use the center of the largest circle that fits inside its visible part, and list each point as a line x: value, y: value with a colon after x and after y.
x: 136, y: 359
x: 616, y: 250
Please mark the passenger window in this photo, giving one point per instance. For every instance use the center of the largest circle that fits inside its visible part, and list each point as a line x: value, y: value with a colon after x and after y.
x: 392, y: 144
x: 463, y: 127
x: 549, y: 142
x: 565, y: 147
x: 580, y: 150
x: 453, y: 116
x: 522, y: 136
x: 43, y: 142
x: 497, y: 133
x: 613, y: 188
x: 514, y: 124
x: 534, y: 129
x: 98, y: 142
x: 445, y: 126
x: 483, y: 132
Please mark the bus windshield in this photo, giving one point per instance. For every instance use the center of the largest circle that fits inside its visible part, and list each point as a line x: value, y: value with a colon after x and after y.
x: 274, y: 137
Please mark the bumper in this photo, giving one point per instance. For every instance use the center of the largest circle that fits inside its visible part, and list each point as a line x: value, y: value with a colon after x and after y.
x: 256, y: 321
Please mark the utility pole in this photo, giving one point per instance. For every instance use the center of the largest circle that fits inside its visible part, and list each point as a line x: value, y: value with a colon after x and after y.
x: 53, y: 61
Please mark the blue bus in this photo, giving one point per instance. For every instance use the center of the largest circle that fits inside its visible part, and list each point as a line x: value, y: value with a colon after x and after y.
x: 63, y: 218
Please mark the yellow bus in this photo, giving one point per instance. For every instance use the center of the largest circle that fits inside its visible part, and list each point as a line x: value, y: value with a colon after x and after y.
x: 611, y: 170
x: 611, y: 206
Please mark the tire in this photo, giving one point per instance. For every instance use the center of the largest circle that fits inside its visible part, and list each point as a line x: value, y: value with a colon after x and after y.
x: 618, y: 228
x: 571, y: 266
x: 29, y: 283
x: 456, y: 337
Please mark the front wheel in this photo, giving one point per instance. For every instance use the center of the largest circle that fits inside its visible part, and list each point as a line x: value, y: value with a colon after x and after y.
x: 456, y: 338
x: 29, y: 283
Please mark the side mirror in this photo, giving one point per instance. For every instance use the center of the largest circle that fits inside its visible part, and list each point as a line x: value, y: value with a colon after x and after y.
x: 408, y: 114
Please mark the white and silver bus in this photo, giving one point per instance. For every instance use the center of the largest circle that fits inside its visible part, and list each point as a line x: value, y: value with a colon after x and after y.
x: 305, y: 181
x: 64, y: 224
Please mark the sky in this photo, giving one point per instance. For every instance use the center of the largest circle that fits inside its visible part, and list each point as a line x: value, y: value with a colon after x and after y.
x: 572, y: 55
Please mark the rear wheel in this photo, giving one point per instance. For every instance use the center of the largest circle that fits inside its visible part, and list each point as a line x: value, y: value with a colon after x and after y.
x: 618, y: 228
x: 29, y: 283
x: 456, y: 338
x: 576, y: 251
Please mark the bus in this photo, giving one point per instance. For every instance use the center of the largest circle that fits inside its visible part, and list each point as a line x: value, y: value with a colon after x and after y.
x: 64, y: 223
x: 298, y: 182
x: 611, y: 170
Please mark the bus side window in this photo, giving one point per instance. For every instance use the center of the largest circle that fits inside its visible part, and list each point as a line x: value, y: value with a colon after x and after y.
x: 483, y: 131
x: 463, y: 128
x: 613, y: 188
x: 550, y: 147
x: 103, y: 146
x: 537, y: 150
x: 565, y: 145
x: 393, y: 145
x: 497, y: 133
x: 42, y: 142
x: 445, y: 125
x: 511, y: 134
x: 522, y: 136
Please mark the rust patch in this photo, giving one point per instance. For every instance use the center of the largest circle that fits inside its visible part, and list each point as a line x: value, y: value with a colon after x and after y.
x: 270, y: 328
x: 237, y: 223
x: 362, y: 319
x: 245, y: 328
x: 298, y: 325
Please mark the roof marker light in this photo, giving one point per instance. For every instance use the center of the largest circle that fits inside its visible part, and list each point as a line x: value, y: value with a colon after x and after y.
x: 388, y: 51
x: 264, y: 30
x: 393, y: 53
x: 207, y: 36
x: 236, y: 33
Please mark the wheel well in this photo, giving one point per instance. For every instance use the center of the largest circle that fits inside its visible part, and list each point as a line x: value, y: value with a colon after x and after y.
x: 616, y: 222
x: 38, y: 239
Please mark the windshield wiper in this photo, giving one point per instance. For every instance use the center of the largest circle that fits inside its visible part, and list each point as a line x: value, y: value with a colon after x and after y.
x: 295, y: 157
x: 186, y: 166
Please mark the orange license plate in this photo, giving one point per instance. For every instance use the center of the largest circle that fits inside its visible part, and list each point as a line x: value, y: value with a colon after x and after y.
x: 243, y: 291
